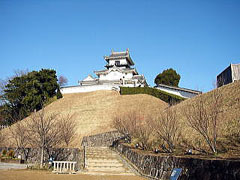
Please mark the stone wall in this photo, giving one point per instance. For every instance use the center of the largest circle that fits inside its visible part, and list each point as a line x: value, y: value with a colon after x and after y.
x: 32, y: 155
x: 103, y: 139
x: 160, y: 167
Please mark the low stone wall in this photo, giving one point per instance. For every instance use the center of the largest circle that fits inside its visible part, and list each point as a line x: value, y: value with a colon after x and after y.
x: 160, y: 167
x: 33, y: 155
x: 103, y: 139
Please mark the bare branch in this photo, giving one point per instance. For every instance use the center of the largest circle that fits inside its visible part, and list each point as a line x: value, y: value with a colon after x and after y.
x: 62, y: 80
x: 204, y: 118
x: 134, y: 125
x: 44, y: 131
x: 2, y: 138
x: 167, y: 129
x: 19, y: 134
x: 68, y: 127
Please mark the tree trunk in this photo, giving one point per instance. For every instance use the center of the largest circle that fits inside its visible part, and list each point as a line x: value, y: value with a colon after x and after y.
x: 42, y: 156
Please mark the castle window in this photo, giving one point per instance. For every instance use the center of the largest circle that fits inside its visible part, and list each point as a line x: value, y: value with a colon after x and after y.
x: 117, y: 63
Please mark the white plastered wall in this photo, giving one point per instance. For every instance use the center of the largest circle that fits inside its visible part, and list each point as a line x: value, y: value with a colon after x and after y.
x: 81, y: 89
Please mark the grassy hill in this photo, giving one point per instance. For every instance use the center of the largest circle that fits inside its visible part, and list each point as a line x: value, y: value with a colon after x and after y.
x: 185, y: 137
x: 94, y: 111
x: 229, y: 118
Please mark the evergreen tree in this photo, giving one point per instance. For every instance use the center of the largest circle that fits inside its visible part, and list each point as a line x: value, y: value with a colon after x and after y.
x: 168, y: 77
x: 29, y: 92
x: 59, y: 94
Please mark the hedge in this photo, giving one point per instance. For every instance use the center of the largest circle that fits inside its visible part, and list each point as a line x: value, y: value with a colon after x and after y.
x: 164, y: 96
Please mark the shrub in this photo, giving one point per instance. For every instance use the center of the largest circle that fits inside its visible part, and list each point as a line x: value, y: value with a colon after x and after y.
x: 11, y: 153
x: 164, y: 96
x: 4, y: 152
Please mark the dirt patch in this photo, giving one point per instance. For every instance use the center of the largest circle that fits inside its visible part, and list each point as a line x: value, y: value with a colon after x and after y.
x: 44, y: 175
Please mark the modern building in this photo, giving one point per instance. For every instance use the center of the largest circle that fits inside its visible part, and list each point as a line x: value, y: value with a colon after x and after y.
x: 229, y: 75
x: 182, y: 92
x: 119, y: 71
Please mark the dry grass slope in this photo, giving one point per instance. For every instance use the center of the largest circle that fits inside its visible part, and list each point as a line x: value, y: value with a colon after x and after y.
x: 94, y: 111
x: 231, y: 110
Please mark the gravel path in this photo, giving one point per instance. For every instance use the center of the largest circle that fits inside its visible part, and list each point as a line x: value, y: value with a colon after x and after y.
x: 5, y: 166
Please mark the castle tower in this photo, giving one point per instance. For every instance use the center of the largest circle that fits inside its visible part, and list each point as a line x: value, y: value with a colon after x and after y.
x: 119, y: 71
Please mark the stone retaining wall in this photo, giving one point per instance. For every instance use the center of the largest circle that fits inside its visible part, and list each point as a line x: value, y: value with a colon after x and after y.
x: 160, y: 167
x: 103, y: 139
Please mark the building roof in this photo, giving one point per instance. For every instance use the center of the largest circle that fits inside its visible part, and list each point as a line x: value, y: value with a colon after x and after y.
x: 120, y: 55
x: 106, y: 71
x: 179, y: 89
x: 89, y: 78
x: 139, y: 77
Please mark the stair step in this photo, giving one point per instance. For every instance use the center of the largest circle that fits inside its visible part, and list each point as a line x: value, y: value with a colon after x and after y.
x: 113, y: 169
x: 104, y: 161
x: 104, y: 165
x: 102, y: 154
x: 101, y: 157
x: 108, y: 173
x: 94, y: 160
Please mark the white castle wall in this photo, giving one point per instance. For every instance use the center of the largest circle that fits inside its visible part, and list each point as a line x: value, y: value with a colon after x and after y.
x: 90, y: 88
x: 115, y: 75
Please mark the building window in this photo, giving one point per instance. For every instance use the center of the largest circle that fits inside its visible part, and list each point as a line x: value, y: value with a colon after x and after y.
x: 117, y: 63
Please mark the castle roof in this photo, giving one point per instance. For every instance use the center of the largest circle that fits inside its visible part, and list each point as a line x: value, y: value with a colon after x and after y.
x: 89, y: 78
x: 120, y: 55
x: 106, y: 71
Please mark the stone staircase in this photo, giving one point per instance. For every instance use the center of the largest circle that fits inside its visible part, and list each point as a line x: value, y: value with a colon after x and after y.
x: 103, y: 161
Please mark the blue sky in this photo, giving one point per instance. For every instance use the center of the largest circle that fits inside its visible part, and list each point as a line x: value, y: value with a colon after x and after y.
x: 198, y: 38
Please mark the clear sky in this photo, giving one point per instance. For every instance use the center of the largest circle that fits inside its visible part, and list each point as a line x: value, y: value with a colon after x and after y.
x: 198, y: 38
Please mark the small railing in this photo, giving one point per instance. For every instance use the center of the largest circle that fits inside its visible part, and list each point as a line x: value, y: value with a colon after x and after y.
x: 64, y: 166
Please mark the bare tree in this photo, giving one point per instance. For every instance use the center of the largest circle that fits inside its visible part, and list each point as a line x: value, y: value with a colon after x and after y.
x: 68, y: 127
x: 143, y: 132
x: 232, y: 131
x: 19, y: 135
x: 62, y: 80
x: 2, y: 137
x: 134, y: 125
x: 44, y: 131
x: 204, y: 116
x: 126, y: 123
x: 166, y: 128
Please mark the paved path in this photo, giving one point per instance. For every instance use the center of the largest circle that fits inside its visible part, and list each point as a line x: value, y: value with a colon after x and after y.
x: 5, y: 166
